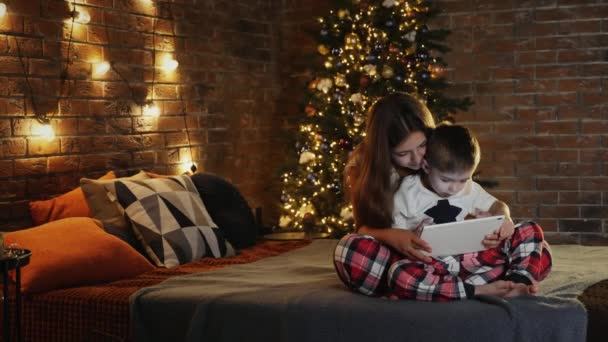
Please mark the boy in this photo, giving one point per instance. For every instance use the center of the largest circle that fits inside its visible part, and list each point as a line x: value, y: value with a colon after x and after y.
x: 515, y: 259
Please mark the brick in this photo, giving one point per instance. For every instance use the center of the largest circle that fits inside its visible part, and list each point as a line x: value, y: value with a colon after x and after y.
x: 580, y: 197
x: 562, y: 183
x: 57, y: 164
x: 132, y: 142
x: 14, y: 147
x: 594, y: 127
x: 594, y: 41
x: 557, y: 127
x: 570, y: 85
x: 12, y: 23
x: 537, y: 197
x: 513, y: 73
x: 548, y: 225
x: 579, y: 141
x: 536, y: 114
x: 6, y: 168
x: 176, y: 139
x: 517, y: 155
x: 514, y: 128
x: 556, y: 72
x: 30, y: 166
x: 145, y: 158
x: 580, y: 225
x: 559, y: 211
x: 42, y: 146
x: 558, y: 99
x: 559, y: 155
x: 594, y: 211
x: 536, y: 169
x: 535, y: 86
x: 593, y: 98
x: 537, y: 141
x: 12, y: 189
x: 586, y: 168
x: 579, y: 112
x: 594, y: 155
x: 536, y: 57
x: 594, y: 184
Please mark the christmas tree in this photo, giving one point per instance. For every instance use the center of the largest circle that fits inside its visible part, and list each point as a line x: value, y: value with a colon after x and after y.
x: 369, y: 49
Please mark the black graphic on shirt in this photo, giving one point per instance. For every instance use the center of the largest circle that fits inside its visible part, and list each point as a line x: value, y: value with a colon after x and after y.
x: 443, y: 212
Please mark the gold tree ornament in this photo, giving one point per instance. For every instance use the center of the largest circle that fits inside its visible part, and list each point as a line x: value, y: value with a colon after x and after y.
x: 340, y: 80
x: 343, y: 14
x: 323, y: 49
x: 387, y: 71
x: 351, y: 41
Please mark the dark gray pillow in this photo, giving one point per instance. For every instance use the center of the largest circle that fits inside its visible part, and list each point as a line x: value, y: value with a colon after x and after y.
x: 228, y: 209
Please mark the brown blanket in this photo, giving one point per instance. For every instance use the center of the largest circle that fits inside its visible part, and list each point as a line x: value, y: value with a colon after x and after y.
x: 101, y: 312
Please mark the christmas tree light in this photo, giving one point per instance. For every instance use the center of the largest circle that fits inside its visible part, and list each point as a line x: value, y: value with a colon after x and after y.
x: 369, y: 49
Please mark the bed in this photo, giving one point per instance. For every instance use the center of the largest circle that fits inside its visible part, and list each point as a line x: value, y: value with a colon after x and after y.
x: 295, y: 308
x: 288, y: 291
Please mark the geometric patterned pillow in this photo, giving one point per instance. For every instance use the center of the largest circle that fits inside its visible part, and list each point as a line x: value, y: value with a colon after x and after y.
x: 169, y: 217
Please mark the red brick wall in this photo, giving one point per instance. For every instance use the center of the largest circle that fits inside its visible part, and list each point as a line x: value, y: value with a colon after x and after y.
x: 538, y: 73
x: 224, y: 90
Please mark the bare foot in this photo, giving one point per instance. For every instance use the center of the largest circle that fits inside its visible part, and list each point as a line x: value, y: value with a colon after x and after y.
x: 498, y: 288
x: 521, y: 290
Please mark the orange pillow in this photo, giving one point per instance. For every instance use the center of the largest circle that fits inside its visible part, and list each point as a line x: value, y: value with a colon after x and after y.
x: 70, y: 204
x: 72, y: 252
x: 156, y: 175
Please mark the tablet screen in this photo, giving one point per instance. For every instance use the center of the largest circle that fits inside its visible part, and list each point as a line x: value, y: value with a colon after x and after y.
x: 461, y: 236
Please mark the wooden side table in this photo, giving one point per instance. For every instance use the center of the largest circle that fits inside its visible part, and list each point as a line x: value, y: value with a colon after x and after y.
x: 13, y: 259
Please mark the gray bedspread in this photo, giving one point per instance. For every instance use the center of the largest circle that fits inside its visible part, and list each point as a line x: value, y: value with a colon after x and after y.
x: 297, y: 297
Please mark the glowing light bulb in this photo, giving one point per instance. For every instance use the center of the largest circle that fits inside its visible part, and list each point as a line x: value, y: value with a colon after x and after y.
x: 170, y: 64
x: 151, y: 110
x: 45, y: 131
x: 2, y: 9
x: 82, y: 17
x: 101, y: 68
x: 188, y: 166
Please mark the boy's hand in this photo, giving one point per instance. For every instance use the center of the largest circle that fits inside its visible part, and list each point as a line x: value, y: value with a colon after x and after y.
x: 506, y: 229
x: 504, y: 232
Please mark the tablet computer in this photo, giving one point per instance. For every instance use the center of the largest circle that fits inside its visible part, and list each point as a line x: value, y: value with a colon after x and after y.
x: 461, y: 236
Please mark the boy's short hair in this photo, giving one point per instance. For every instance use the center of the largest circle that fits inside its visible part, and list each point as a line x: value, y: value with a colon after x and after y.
x: 452, y: 148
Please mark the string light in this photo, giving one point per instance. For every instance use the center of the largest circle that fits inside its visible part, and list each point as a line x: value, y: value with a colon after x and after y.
x: 3, y: 9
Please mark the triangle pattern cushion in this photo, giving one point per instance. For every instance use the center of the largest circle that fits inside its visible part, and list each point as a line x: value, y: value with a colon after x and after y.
x: 170, y: 219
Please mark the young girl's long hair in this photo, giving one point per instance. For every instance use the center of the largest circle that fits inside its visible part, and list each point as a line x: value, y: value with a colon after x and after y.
x: 368, y: 174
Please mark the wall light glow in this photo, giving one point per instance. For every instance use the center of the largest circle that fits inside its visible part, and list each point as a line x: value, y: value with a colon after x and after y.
x: 44, y: 131
x: 151, y: 110
x: 188, y: 167
x: 101, y: 68
x: 170, y: 64
x: 3, y: 9
x: 82, y: 17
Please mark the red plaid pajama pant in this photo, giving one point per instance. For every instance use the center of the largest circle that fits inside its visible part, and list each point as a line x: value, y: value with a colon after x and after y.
x: 367, y: 266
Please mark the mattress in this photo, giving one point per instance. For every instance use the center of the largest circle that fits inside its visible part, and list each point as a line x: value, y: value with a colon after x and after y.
x: 101, y: 312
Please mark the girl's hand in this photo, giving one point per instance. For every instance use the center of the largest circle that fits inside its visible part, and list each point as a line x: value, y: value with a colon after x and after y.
x: 409, y: 243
